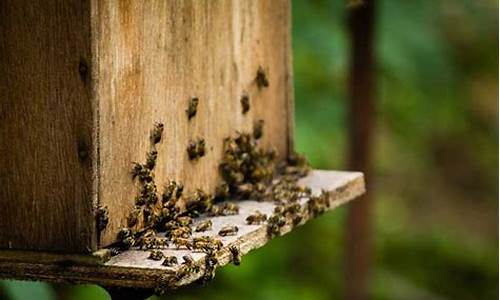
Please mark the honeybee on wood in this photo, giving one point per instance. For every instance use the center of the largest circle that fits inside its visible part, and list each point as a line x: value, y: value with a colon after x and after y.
x: 133, y: 217
x: 274, y: 224
x: 102, y: 218
x: 258, y: 129
x: 222, y: 191
x: 125, y: 238
x: 151, y: 158
x: 155, y: 255
x: 211, y: 263
x: 293, y: 208
x: 172, y: 190
x: 245, y: 104
x: 203, y: 226
x: 189, y: 263
x: 147, y: 215
x: 196, y: 149
x: 256, y: 218
x: 191, y: 150
x: 192, y: 107
x: 184, y: 221
x: 156, y: 133
x: 226, y: 209
x: 170, y: 261
x: 236, y: 255
x: 228, y: 230
x: 182, y: 242
x: 261, y: 78
x: 141, y: 172
x: 182, y: 232
x: 114, y: 251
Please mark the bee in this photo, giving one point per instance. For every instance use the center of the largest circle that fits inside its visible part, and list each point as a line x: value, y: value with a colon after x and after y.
x: 172, y: 190
x: 199, y: 202
x: 211, y: 263
x: 192, y: 108
x: 226, y: 209
x: 256, y: 218
x: 274, y: 224
x: 229, y: 230
x: 258, y: 129
x: 133, y: 217
x: 184, y: 221
x: 156, y: 132
x: 124, y: 233
x: 150, y: 241
x: 183, y: 232
x: 151, y: 158
x: 261, y: 78
x: 182, y: 242
x: 189, y: 263
x: 245, y: 104
x: 191, y: 150
x: 315, y: 206
x: 155, y: 255
x: 222, y: 191
x: 280, y: 209
x: 114, y: 251
x: 236, y: 255
x: 293, y: 208
x: 147, y: 215
x: 203, y: 226
x: 102, y: 218
x: 169, y: 261
x: 143, y: 173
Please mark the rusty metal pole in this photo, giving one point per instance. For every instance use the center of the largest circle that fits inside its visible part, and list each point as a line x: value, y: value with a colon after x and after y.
x: 361, y: 128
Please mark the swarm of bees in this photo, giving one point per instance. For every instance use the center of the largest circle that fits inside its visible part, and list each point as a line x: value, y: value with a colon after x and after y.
x: 247, y: 172
x: 203, y: 226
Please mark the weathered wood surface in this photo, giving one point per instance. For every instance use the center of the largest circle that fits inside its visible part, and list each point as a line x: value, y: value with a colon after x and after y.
x: 46, y: 113
x: 133, y: 269
x: 153, y: 56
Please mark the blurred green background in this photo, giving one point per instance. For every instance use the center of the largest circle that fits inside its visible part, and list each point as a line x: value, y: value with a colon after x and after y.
x: 435, y: 181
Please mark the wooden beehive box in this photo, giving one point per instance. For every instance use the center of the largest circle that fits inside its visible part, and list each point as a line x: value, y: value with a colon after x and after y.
x: 81, y: 84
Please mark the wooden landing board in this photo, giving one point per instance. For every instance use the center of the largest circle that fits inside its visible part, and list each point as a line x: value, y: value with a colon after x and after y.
x: 133, y: 269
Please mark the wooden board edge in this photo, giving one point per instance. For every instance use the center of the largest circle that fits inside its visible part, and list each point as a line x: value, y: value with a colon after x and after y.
x: 71, y: 271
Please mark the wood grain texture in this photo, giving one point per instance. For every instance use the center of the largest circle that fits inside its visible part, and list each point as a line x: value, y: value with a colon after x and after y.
x: 133, y: 269
x: 153, y: 56
x: 45, y: 126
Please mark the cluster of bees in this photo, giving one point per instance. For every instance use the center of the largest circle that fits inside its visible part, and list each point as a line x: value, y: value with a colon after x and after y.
x: 247, y: 172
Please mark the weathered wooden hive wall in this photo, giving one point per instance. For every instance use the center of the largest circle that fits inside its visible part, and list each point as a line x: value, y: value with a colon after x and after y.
x: 83, y: 82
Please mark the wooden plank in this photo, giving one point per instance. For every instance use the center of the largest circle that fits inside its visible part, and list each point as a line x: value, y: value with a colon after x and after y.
x: 133, y: 269
x: 153, y: 56
x: 46, y: 120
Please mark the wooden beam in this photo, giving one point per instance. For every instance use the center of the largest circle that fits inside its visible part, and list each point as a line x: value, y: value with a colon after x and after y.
x: 132, y: 268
